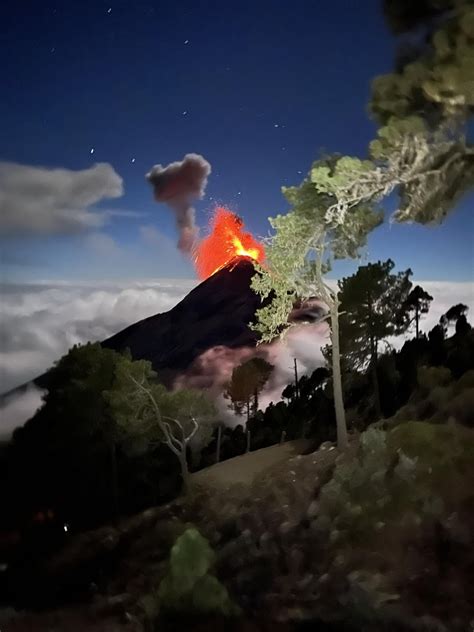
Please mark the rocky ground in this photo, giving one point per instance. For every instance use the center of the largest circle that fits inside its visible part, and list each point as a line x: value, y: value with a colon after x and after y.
x: 380, y: 536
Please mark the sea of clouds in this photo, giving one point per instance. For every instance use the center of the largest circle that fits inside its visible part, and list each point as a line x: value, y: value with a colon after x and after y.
x: 40, y: 322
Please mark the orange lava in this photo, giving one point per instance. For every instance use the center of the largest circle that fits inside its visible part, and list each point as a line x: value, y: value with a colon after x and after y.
x: 226, y: 241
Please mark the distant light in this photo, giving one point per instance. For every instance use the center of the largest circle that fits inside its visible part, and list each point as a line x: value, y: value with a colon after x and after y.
x: 92, y: 150
x: 109, y: 10
x: 65, y: 527
x: 133, y: 159
x: 185, y: 112
x: 239, y: 192
x: 52, y: 50
x: 186, y: 41
x: 276, y: 125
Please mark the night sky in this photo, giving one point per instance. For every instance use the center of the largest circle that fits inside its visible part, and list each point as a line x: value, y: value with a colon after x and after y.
x: 258, y: 88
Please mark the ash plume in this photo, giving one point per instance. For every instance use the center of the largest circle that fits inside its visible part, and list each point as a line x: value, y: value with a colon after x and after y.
x: 178, y: 185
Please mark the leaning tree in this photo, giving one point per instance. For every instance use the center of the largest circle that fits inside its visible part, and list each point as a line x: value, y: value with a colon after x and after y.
x: 155, y: 415
x: 422, y: 155
x: 298, y: 257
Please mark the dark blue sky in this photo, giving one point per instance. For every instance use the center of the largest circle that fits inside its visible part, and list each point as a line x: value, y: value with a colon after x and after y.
x: 259, y: 88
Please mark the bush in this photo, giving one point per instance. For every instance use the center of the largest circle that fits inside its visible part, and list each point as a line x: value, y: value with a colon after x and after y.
x: 189, y: 587
x: 379, y: 515
x: 429, y: 377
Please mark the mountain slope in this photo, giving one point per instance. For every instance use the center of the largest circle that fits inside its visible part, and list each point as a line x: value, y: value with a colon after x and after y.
x: 216, y: 312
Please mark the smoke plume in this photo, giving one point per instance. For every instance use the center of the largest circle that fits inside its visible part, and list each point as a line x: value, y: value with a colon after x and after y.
x: 178, y: 185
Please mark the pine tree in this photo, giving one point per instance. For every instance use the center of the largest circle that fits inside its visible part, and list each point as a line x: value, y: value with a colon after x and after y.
x: 418, y: 303
x: 373, y: 308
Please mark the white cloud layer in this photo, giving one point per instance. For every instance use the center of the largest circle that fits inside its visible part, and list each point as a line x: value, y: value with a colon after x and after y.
x: 19, y: 409
x: 40, y: 200
x: 40, y: 322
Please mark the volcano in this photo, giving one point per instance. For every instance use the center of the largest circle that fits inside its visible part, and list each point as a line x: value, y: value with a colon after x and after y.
x: 215, y: 313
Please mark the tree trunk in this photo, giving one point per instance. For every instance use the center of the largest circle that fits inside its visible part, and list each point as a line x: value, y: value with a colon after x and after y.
x: 114, y: 481
x: 417, y: 321
x: 184, y: 470
x: 248, y: 441
x: 297, y: 392
x: 375, y: 377
x: 373, y: 359
x: 336, y: 378
x: 255, y: 402
x: 376, y: 387
x: 248, y: 409
x: 218, y: 447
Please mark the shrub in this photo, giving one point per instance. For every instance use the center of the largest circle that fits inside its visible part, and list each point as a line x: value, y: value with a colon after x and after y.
x: 189, y: 587
x: 429, y: 377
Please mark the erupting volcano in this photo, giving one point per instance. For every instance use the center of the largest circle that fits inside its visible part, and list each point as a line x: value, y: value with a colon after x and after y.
x: 226, y: 241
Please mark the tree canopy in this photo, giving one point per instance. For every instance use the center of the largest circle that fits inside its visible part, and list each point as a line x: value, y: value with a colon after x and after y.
x: 247, y: 381
x: 373, y: 309
x: 417, y: 303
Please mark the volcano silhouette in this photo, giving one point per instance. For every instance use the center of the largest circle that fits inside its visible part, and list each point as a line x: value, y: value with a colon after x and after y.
x: 216, y: 312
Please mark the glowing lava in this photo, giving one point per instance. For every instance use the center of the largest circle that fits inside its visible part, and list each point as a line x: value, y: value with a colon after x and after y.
x: 226, y: 241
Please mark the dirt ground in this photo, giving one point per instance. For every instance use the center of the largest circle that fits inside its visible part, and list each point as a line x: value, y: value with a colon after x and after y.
x: 246, y: 469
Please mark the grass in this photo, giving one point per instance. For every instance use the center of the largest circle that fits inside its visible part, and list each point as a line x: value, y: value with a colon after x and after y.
x: 247, y: 468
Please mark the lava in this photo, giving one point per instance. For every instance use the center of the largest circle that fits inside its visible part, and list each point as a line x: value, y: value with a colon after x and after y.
x: 226, y: 241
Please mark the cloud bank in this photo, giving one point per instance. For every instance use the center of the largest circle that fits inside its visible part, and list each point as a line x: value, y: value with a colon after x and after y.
x: 40, y: 200
x: 40, y: 322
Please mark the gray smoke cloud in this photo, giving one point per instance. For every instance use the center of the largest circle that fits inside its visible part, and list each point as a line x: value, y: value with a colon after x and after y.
x: 178, y: 185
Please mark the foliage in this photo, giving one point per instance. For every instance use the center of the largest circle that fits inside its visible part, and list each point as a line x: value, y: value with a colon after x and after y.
x: 440, y: 397
x: 305, y: 242
x: 372, y: 305
x: 189, y: 586
x: 430, y: 171
x: 80, y: 429
x: 418, y: 302
x: 74, y: 402
x: 431, y: 377
x: 247, y: 381
x: 421, y: 151
x: 300, y: 253
x: 436, y: 81
x: 149, y: 408
x: 356, y: 536
x: 453, y: 315
x: 399, y: 480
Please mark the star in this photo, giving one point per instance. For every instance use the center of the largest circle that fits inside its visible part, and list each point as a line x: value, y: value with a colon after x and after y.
x: 185, y: 112
x: 109, y: 10
x: 239, y: 192
x: 276, y: 125
x: 186, y: 41
x: 52, y: 50
x: 133, y: 160
x: 92, y: 150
